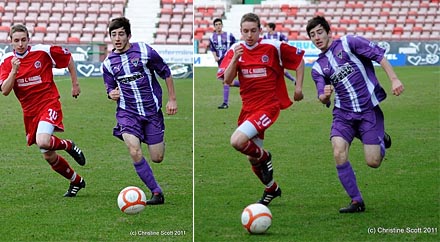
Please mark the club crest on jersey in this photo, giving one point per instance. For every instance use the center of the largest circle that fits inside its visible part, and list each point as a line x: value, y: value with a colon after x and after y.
x: 66, y: 51
x: 339, y: 55
x: 265, y: 58
x: 135, y: 61
x: 37, y: 64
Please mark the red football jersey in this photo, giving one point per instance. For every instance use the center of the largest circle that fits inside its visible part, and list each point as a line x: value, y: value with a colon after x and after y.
x: 261, y: 72
x: 34, y: 83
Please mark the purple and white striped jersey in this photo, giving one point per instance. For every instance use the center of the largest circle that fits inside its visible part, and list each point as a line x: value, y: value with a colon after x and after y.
x: 276, y: 35
x: 220, y: 43
x: 347, y: 65
x: 134, y: 73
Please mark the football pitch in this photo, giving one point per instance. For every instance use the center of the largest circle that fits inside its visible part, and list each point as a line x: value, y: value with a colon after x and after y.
x: 403, y: 194
x: 31, y: 194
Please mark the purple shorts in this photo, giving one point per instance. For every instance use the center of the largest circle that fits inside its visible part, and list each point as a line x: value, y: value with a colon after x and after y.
x: 367, y: 126
x: 150, y: 130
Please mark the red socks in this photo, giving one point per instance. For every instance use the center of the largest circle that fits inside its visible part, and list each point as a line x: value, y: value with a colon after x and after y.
x: 272, y: 188
x: 254, y: 150
x: 257, y: 171
x: 63, y: 168
x: 59, y: 144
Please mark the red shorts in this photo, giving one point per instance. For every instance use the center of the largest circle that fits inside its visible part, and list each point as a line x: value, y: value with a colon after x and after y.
x: 51, y: 113
x: 261, y: 119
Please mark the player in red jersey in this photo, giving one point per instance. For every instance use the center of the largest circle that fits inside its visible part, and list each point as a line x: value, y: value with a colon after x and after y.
x: 260, y: 64
x: 28, y: 71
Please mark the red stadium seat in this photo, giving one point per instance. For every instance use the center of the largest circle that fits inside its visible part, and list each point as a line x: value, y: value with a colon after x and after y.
x: 5, y: 29
x: 73, y: 40
x: 40, y: 29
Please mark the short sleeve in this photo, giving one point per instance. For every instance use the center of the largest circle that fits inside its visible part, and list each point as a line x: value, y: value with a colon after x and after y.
x: 61, y: 56
x: 291, y: 56
x: 158, y: 64
x: 225, y: 63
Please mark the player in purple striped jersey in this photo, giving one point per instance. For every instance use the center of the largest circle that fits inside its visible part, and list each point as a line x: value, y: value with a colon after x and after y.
x: 345, y: 67
x: 220, y: 42
x: 129, y: 73
x: 272, y: 34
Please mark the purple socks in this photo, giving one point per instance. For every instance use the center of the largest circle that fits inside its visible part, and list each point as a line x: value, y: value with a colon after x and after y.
x: 144, y: 171
x: 226, y: 94
x: 348, y: 180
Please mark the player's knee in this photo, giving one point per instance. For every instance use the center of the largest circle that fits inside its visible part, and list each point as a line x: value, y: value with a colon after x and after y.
x: 339, y: 155
x: 374, y: 163
x: 136, y: 154
x: 43, y: 144
x: 157, y: 158
x: 237, y: 144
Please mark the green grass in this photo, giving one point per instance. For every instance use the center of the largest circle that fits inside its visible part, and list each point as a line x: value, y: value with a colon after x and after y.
x: 403, y: 193
x: 31, y: 202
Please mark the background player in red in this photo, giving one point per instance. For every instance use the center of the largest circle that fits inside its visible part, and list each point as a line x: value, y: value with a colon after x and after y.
x: 263, y: 92
x: 28, y: 71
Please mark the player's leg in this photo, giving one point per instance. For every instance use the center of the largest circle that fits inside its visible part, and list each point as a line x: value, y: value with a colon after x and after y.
x: 130, y: 129
x: 248, y: 139
x: 373, y: 137
x: 241, y: 141
x: 58, y: 163
x: 347, y: 176
x: 46, y: 140
x: 62, y: 167
x: 225, y: 103
x: 342, y: 134
x: 235, y: 83
x: 260, y: 159
x: 157, y: 152
x: 265, y: 173
x: 154, y: 132
x: 142, y: 167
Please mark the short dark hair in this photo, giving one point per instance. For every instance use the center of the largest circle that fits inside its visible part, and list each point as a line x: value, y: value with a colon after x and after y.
x: 271, y: 25
x: 251, y: 17
x: 315, y: 21
x: 217, y: 20
x: 121, y: 22
x: 19, y: 28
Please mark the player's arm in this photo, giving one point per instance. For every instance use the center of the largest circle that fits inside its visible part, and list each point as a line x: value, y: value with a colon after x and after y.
x: 396, y: 84
x: 292, y: 59
x: 323, y: 87
x: 76, y: 90
x: 213, y: 50
x: 324, y: 98
x: 8, y: 83
x: 298, y: 96
x: 215, y: 56
x: 171, y: 107
x: 231, y: 70
x: 163, y: 70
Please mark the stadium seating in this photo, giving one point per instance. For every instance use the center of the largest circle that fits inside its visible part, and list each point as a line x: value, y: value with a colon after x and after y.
x: 176, y: 23
x: 61, y: 21
x: 85, y: 21
x: 409, y: 20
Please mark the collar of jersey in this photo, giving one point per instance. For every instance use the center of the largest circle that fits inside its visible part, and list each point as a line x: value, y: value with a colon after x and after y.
x: 18, y: 55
